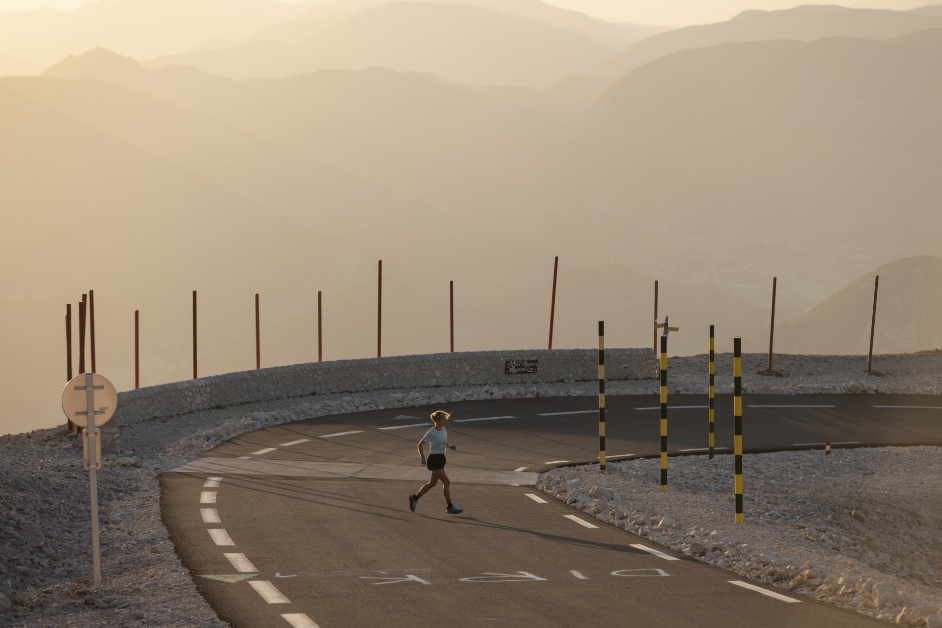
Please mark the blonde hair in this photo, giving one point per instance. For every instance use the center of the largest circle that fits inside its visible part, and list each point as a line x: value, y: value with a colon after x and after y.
x: 440, y: 414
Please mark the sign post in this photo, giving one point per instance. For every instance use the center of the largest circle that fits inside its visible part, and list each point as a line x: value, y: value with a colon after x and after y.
x: 86, y: 409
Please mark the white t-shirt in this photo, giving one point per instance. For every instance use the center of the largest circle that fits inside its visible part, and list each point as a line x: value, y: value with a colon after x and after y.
x: 437, y: 439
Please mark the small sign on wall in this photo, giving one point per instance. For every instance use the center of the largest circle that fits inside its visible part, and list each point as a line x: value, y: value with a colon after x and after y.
x: 517, y: 367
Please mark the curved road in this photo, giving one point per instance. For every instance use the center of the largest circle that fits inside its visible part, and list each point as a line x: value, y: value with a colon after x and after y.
x: 307, y: 524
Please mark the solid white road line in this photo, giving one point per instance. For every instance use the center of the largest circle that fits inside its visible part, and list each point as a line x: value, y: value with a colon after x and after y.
x: 220, y: 536
x: 295, y: 442
x: 402, y: 427
x: 210, y: 515
x: 913, y: 407
x: 212, y: 482
x: 788, y: 406
x: 607, y: 457
x: 536, y: 499
x: 578, y: 575
x: 580, y: 521
x: 489, y: 418
x: 555, y: 461
x: 677, y: 408
x: 562, y: 413
x: 519, y: 469
x: 208, y: 497
x: 703, y: 449
x: 644, y: 548
x: 268, y: 592
x: 752, y: 587
x: 341, y: 434
x: 241, y: 563
x: 848, y: 442
x: 263, y: 451
x: 300, y: 620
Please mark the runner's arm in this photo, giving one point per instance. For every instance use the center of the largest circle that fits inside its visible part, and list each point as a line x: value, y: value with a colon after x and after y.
x: 421, y: 450
x: 450, y: 446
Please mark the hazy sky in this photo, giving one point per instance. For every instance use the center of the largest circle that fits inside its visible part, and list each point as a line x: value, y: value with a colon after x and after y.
x: 662, y: 12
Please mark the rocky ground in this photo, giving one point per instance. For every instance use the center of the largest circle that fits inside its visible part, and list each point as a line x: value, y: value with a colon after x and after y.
x: 858, y: 528
x: 45, y: 562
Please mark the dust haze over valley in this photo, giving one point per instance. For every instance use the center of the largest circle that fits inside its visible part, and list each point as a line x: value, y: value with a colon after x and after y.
x: 148, y: 149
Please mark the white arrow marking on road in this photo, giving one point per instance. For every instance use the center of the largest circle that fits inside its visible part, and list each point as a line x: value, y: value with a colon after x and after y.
x: 268, y: 592
x: 299, y: 620
x: 654, y: 551
x: 578, y: 575
x: 396, y: 580
x: 212, y: 482
x: 208, y: 497
x: 295, y: 442
x: 220, y: 536
x: 627, y: 573
x: 264, y: 450
x: 241, y: 563
x: 580, y: 521
x: 536, y: 499
x: 520, y: 576
x: 210, y: 515
x: 753, y: 587
x: 341, y: 434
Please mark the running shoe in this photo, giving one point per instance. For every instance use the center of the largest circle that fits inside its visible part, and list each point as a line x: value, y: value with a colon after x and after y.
x: 453, y: 510
x: 413, y: 500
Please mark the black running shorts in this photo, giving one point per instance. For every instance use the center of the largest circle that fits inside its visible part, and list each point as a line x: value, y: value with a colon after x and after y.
x: 435, y: 462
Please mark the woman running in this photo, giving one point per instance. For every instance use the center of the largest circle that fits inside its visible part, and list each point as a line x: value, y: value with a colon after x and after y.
x: 437, y: 438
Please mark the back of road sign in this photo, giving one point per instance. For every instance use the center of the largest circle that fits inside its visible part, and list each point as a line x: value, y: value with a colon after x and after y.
x: 74, y: 402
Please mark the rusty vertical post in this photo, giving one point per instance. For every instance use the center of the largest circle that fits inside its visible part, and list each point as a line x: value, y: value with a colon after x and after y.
x: 451, y: 307
x: 81, y: 364
x: 320, y: 346
x: 194, y: 335
x: 91, y: 327
x: 772, y: 325
x: 873, y: 322
x: 655, y: 316
x: 68, y: 354
x: 379, y: 313
x: 137, y: 349
x: 553, y: 301
x: 258, y: 338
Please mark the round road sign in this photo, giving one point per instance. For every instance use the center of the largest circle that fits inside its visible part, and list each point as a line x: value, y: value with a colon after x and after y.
x: 75, y: 404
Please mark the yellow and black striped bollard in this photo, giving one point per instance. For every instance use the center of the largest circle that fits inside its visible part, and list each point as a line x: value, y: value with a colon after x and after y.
x: 712, y: 390
x: 601, y: 395
x: 737, y: 414
x: 664, y: 412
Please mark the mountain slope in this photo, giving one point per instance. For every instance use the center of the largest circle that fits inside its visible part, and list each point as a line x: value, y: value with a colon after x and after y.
x: 14, y: 66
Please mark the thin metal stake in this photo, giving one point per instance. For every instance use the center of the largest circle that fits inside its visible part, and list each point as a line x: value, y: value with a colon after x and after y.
x: 91, y: 327
x: 451, y: 306
x: 320, y: 346
x: 258, y: 337
x: 81, y: 364
x: 137, y: 350
x: 194, y: 334
x: 772, y: 327
x: 553, y: 301
x: 873, y: 322
x: 379, y: 312
x: 601, y: 395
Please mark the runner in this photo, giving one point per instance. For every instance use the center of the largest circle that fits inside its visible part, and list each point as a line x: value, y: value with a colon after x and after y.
x: 437, y: 438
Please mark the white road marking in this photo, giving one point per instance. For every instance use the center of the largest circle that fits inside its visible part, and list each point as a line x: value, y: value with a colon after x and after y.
x: 220, y: 536
x: 520, y: 576
x: 212, y: 482
x: 677, y: 408
x: 245, y: 457
x: 241, y: 563
x: 395, y: 580
x: 848, y: 442
x: 268, y: 592
x: 578, y: 575
x: 575, y: 412
x: 752, y: 587
x: 580, y: 521
x: 703, y: 449
x: 210, y: 515
x: 278, y: 575
x: 402, y: 427
x: 789, y: 406
x: 555, y: 461
x: 341, y: 434
x: 299, y: 620
x: 518, y: 469
x: 913, y: 407
x: 263, y: 451
x: 295, y: 442
x: 627, y: 573
x: 538, y: 500
x: 489, y: 418
x: 208, y: 497
x: 607, y: 457
x: 644, y: 548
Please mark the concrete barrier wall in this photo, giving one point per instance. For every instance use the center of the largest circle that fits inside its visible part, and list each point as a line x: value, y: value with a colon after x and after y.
x: 399, y: 372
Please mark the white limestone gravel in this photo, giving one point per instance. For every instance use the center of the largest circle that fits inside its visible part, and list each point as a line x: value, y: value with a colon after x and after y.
x: 45, y: 562
x: 861, y: 528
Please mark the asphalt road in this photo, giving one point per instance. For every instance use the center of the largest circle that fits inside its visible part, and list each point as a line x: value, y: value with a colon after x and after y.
x: 307, y: 524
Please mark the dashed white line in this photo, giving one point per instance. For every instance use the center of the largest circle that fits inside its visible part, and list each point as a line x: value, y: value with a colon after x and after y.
x: 263, y: 451
x: 703, y: 449
x: 212, y: 482
x: 789, y: 406
x: 241, y: 563
x: 913, y: 407
x: 644, y: 548
x: 555, y: 461
x: 846, y: 442
x: 341, y: 434
x: 208, y: 497
x: 752, y: 587
x: 580, y: 521
x: 402, y: 427
x: 536, y: 499
x: 220, y: 536
x: 489, y: 418
x: 677, y: 408
x: 210, y: 515
x: 574, y: 412
x: 518, y: 469
x: 299, y: 620
x: 578, y: 575
x: 292, y: 443
x: 268, y: 592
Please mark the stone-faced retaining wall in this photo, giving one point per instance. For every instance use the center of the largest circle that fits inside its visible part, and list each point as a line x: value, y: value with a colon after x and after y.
x: 399, y: 372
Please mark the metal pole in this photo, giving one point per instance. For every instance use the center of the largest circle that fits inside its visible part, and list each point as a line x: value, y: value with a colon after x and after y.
x: 91, y: 326
x: 320, y: 346
x: 601, y: 395
x: 712, y: 390
x: 379, y: 313
x: 68, y: 354
x: 194, y: 335
x: 93, y: 473
x: 737, y: 417
x: 873, y: 321
x: 553, y: 301
x: 258, y: 337
x: 655, y: 316
x: 772, y: 326
x: 451, y: 306
x: 664, y: 407
x: 81, y: 363
x: 137, y: 350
